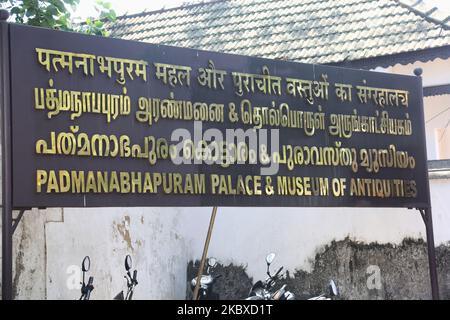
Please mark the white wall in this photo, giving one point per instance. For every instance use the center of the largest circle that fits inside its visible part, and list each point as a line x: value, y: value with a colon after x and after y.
x: 154, y: 237
x: 434, y: 73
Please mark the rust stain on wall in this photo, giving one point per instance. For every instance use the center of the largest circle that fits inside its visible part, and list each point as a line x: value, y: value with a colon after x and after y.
x: 123, y: 228
x: 19, y: 265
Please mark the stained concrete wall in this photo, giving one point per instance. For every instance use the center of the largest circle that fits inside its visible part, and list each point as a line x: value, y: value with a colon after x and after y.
x: 153, y: 237
x: 401, y: 271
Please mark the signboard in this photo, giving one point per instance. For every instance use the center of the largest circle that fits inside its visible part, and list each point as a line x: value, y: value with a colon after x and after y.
x: 107, y: 122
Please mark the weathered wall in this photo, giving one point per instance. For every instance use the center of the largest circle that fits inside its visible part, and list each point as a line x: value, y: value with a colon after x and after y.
x: 29, y: 257
x: 234, y: 283
x: 153, y: 237
x: 50, y: 245
x: 402, y: 272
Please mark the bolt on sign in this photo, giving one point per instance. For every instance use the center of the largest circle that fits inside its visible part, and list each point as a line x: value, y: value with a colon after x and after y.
x: 107, y: 122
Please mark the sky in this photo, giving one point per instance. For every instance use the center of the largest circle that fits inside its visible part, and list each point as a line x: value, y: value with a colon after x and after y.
x: 441, y: 4
x: 86, y: 7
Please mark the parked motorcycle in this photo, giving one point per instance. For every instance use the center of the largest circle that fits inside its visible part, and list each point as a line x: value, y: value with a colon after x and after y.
x: 333, y: 291
x: 131, y: 281
x: 206, y: 282
x: 264, y: 290
x: 86, y: 289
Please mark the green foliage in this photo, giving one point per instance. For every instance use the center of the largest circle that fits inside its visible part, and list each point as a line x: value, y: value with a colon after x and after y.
x: 55, y: 14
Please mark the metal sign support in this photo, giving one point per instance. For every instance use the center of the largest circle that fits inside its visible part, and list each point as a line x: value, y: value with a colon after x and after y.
x: 5, y: 100
x: 205, y: 253
x: 428, y: 220
x: 425, y: 212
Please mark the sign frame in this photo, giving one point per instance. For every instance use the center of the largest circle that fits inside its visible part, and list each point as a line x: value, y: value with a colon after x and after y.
x: 61, y: 169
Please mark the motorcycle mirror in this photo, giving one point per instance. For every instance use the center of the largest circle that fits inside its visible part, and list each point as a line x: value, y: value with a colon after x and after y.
x: 270, y: 257
x: 128, y: 262
x: 333, y: 289
x: 212, y: 262
x: 86, y: 264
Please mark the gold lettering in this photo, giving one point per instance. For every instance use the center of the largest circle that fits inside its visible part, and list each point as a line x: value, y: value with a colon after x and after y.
x: 200, y: 186
x: 148, y: 187
x: 77, y: 178
x: 125, y: 182
x: 114, y: 182
x: 248, y: 188
x: 157, y: 180
x: 136, y: 182
x: 102, y: 182
x: 41, y: 179
x: 91, y: 186
x: 188, y: 188
x: 307, y: 185
x: 177, y: 181
x: 64, y: 181
x: 52, y: 185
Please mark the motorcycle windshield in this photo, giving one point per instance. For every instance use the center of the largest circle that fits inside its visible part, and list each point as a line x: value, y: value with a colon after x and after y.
x: 256, y: 286
x: 119, y: 296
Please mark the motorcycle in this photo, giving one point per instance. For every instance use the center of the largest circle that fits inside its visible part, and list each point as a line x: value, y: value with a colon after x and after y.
x: 86, y: 289
x: 263, y: 290
x: 206, y: 282
x: 333, y: 291
x: 131, y: 281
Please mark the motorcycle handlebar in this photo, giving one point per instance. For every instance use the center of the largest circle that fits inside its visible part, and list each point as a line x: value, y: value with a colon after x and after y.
x: 135, y: 276
x: 278, y: 272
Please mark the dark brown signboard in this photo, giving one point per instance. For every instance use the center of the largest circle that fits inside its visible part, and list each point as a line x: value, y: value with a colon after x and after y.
x: 107, y: 122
